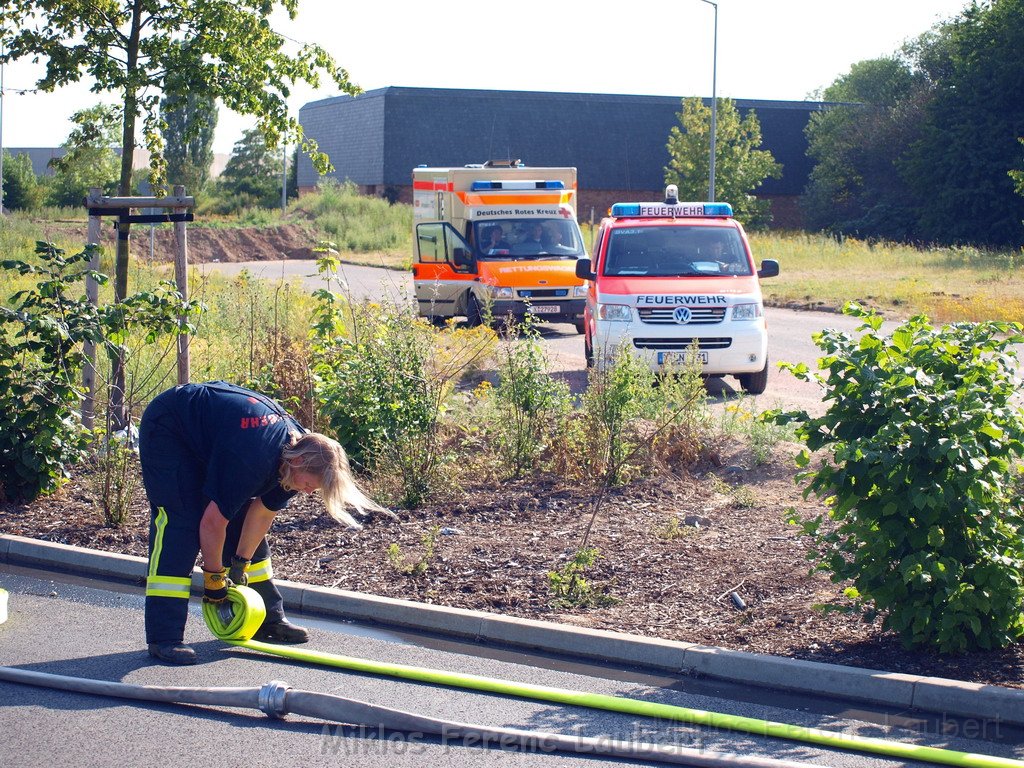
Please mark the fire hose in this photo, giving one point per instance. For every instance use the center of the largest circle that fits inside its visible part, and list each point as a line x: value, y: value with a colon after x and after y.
x: 235, y: 621
x: 246, y: 600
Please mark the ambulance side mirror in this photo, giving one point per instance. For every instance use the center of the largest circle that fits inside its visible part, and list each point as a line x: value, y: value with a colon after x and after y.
x: 463, y: 259
x: 769, y: 268
x: 583, y: 270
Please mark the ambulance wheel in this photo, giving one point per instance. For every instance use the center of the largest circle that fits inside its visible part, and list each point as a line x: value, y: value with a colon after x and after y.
x: 588, y: 352
x: 581, y: 327
x: 474, y: 315
x: 754, y: 383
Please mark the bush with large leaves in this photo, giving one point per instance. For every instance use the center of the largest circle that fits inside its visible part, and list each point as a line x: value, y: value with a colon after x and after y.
x: 922, y: 442
x: 42, y: 332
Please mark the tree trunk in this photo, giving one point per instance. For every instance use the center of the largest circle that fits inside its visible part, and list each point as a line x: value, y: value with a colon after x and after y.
x: 119, y: 408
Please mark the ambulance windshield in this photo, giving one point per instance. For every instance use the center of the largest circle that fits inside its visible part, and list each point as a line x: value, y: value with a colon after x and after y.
x: 528, y: 239
x: 675, y: 251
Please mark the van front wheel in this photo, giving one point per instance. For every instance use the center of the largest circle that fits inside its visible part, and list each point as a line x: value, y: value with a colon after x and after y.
x: 754, y: 383
x: 474, y: 315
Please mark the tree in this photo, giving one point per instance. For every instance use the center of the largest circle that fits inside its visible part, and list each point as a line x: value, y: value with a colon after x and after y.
x: 140, y: 49
x: 22, y: 190
x: 856, y: 187
x: 190, y: 122
x: 253, y: 173
x: 1018, y: 176
x: 740, y: 167
x: 90, y: 156
x: 959, y: 169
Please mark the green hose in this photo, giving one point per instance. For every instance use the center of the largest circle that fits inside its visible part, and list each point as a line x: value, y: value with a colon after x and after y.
x: 618, y: 703
x: 236, y: 618
x: 643, y: 708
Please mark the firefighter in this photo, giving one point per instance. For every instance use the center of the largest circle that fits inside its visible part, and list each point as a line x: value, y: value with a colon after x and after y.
x: 218, y: 462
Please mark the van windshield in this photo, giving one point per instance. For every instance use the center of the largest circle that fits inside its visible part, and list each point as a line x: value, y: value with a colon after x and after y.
x: 676, y: 251
x: 527, y: 239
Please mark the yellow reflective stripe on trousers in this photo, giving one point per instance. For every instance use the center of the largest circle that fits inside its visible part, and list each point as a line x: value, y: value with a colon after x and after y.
x: 158, y: 541
x: 164, y: 586
x: 259, y: 571
x: 168, y: 586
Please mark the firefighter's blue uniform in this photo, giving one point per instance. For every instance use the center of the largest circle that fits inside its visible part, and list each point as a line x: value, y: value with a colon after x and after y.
x: 200, y: 443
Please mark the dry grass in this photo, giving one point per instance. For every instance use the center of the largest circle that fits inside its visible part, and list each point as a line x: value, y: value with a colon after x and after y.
x: 946, y: 284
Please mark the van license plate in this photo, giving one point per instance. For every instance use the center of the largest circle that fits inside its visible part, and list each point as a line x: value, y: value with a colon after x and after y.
x: 544, y: 309
x: 680, y: 358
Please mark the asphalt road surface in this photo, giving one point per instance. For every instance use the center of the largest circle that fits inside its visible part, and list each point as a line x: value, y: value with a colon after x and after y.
x: 72, y: 627
x: 789, y: 330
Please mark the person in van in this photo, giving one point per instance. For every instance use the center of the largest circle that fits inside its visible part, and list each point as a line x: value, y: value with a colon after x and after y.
x: 496, y: 240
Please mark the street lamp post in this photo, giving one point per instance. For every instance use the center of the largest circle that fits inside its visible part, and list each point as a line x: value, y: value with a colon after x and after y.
x: 1, y: 134
x: 714, y: 104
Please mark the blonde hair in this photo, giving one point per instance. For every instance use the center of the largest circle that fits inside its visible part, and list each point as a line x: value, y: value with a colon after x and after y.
x: 326, y: 459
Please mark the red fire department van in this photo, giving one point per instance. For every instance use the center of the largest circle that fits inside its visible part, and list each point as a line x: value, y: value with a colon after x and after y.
x: 668, y: 274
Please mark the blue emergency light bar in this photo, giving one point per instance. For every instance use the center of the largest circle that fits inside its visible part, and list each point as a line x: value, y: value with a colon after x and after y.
x: 483, y: 186
x: 670, y: 210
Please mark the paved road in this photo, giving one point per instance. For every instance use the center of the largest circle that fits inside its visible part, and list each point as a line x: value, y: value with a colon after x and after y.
x: 789, y: 331
x: 76, y: 628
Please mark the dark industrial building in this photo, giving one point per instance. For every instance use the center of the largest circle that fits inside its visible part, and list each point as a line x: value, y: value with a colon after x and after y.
x: 617, y: 142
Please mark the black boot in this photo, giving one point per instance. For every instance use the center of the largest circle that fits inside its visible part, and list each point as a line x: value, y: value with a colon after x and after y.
x: 281, y: 631
x: 173, y: 652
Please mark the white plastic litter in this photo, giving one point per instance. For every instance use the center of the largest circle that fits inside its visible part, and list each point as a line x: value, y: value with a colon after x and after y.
x: 3, y: 605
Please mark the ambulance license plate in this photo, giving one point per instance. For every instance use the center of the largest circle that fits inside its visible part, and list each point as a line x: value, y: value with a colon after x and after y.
x: 680, y: 358
x: 544, y: 309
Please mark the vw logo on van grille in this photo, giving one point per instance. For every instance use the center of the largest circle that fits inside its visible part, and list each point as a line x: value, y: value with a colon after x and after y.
x: 681, y: 315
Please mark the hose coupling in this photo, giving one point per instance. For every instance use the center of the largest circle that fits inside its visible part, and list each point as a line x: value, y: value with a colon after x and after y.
x: 272, y: 699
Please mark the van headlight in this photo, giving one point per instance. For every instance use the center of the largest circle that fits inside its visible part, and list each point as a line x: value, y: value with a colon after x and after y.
x: 579, y: 291
x: 746, y: 311
x: 501, y: 292
x: 614, y: 313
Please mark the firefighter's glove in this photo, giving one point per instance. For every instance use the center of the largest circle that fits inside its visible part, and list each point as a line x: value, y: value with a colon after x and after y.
x: 215, y: 585
x: 237, y: 574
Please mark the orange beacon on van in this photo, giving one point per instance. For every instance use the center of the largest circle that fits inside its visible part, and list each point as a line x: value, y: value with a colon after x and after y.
x: 670, y: 278
x: 495, y: 240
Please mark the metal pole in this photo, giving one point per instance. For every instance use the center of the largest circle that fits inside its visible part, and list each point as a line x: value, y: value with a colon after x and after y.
x: 714, y: 105
x: 1, y: 133
x: 181, y: 280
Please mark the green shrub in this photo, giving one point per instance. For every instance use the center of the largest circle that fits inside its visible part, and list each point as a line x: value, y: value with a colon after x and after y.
x: 412, y: 565
x: 569, y: 587
x: 41, y: 360
x: 383, y: 378
x: 920, y: 441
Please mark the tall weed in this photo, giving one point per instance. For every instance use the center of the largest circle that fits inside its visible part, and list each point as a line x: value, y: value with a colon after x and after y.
x: 528, y: 402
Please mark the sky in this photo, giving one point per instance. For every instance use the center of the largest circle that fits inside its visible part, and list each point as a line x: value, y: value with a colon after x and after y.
x: 767, y: 49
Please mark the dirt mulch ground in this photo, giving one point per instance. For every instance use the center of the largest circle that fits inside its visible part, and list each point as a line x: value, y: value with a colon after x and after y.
x: 205, y: 244
x: 672, y: 550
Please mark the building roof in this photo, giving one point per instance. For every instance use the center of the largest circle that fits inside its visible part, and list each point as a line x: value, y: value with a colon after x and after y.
x: 41, y: 157
x: 615, y: 141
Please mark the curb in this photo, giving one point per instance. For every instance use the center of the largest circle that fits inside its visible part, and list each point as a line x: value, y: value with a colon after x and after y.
x: 932, y: 694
